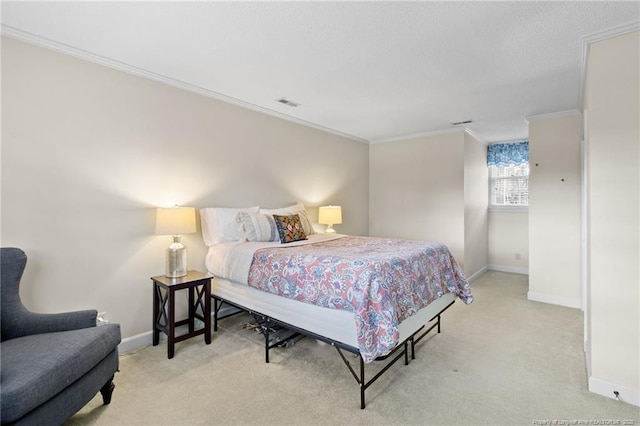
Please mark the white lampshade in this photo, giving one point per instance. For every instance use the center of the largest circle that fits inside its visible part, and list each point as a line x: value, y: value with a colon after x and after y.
x: 175, y: 220
x: 330, y: 215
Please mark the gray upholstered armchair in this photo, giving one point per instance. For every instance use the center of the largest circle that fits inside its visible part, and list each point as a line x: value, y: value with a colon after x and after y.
x: 52, y: 364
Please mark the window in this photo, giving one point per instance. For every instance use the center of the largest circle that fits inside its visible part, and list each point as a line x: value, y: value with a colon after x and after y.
x: 509, y: 185
x: 509, y: 174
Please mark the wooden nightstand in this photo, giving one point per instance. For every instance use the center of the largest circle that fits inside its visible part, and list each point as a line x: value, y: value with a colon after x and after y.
x: 164, y: 292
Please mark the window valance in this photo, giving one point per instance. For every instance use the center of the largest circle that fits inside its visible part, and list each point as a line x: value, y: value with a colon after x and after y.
x: 508, y: 154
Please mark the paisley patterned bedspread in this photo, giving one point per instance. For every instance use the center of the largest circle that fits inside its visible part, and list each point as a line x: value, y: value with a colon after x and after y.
x: 382, y: 281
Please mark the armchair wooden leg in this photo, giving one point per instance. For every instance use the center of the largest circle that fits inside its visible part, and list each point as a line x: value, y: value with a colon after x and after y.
x: 107, y: 391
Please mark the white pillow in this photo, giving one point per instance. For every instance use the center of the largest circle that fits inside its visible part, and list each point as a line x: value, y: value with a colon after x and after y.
x: 298, y: 209
x: 219, y: 224
x: 258, y: 227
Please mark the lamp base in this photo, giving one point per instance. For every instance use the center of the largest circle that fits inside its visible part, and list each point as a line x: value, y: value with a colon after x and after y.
x: 330, y: 230
x: 176, y: 260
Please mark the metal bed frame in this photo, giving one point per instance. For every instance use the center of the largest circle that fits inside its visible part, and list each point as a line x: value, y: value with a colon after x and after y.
x: 265, y: 323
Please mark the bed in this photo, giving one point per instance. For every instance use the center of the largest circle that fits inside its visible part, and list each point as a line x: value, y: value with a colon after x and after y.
x: 373, y: 297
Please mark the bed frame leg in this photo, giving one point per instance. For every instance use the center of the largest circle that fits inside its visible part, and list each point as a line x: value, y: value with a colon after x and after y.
x: 266, y: 341
x: 362, y: 384
x: 438, y: 323
x: 215, y: 314
x: 413, y: 348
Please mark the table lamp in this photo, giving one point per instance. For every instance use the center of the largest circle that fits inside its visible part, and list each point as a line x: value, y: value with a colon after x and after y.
x: 175, y: 221
x: 330, y: 215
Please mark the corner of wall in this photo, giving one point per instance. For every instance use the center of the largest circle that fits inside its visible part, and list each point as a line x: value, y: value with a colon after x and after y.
x: 471, y: 278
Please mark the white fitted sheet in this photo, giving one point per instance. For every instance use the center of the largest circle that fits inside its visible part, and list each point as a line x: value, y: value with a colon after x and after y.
x: 334, y: 324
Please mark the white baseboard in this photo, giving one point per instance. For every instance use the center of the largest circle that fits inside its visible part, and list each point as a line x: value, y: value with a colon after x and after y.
x: 475, y: 275
x: 587, y: 356
x: 511, y: 269
x: 130, y: 344
x: 554, y: 300
x: 605, y: 388
x: 138, y: 341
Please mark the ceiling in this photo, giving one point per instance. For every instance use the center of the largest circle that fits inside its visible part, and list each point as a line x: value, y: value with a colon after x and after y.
x: 372, y: 71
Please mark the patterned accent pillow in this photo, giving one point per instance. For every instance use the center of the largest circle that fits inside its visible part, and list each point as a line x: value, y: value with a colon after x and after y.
x: 298, y: 209
x: 290, y: 228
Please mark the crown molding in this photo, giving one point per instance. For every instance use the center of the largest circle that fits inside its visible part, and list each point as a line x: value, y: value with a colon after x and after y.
x: 551, y: 115
x: 475, y: 135
x: 433, y: 133
x: 36, y: 40
x: 419, y: 135
x: 611, y: 32
x: 586, y: 41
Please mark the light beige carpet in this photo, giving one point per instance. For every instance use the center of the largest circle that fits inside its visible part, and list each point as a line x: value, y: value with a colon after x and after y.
x: 500, y: 360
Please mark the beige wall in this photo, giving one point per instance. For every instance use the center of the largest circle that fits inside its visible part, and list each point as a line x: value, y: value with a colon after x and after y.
x: 476, y: 203
x: 432, y: 188
x: 508, y: 237
x: 554, y: 210
x: 416, y: 190
x: 613, y: 151
x: 88, y: 153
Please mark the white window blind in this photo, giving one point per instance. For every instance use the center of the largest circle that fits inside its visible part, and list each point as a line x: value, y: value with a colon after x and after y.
x: 509, y: 185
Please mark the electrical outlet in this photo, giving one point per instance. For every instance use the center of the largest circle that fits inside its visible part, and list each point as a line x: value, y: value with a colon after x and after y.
x: 518, y: 256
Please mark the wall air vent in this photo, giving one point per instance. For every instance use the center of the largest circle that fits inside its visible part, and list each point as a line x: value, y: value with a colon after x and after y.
x: 457, y: 123
x: 288, y: 102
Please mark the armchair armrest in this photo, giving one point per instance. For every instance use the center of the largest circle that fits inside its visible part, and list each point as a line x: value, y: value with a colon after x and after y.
x: 27, y: 322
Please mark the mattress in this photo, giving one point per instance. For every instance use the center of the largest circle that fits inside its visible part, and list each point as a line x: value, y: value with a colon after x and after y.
x: 333, y: 324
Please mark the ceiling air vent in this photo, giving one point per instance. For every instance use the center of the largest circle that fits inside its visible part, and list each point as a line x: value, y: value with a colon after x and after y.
x: 457, y: 123
x: 287, y: 102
